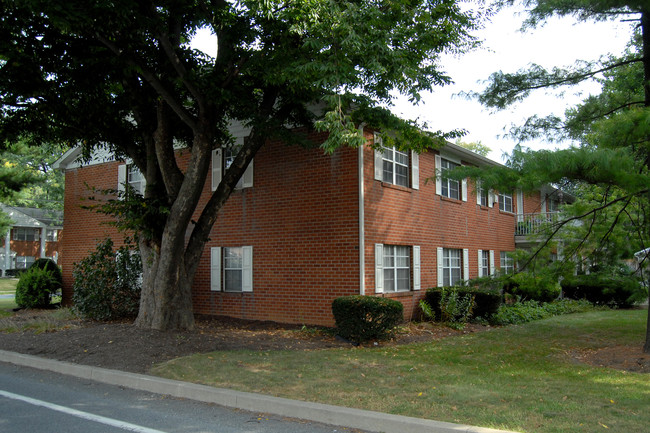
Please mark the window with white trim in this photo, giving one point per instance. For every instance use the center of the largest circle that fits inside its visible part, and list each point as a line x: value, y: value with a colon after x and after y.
x: 135, y: 178
x: 483, y: 263
x: 397, y: 268
x: 51, y: 235
x: 222, y: 159
x: 505, y: 202
x: 449, y: 188
x: 24, y: 262
x: 482, y: 195
x: 507, y: 263
x: 26, y: 234
x: 452, y: 261
x: 231, y: 269
x: 395, y: 166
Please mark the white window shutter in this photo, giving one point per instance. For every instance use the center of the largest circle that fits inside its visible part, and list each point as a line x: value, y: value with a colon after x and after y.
x: 247, y: 178
x: 439, y: 264
x: 438, y: 173
x: 217, y: 165
x: 121, y: 177
x: 491, y: 262
x: 493, y: 198
x: 544, y: 204
x: 415, y: 170
x: 477, y: 185
x: 416, y: 267
x: 215, y: 269
x: 247, y: 269
x: 379, y: 159
x: 480, y: 263
x: 464, y: 189
x: 520, y: 205
x: 465, y: 264
x: 379, y: 268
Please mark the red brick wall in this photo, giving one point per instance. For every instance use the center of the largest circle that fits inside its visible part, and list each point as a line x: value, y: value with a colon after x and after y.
x: 83, y: 228
x: 301, y: 218
x: 406, y: 216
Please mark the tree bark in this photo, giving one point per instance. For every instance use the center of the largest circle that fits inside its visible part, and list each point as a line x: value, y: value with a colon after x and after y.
x: 645, y: 34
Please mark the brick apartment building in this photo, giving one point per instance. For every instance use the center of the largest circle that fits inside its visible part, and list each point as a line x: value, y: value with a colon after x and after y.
x: 35, y: 233
x: 304, y: 228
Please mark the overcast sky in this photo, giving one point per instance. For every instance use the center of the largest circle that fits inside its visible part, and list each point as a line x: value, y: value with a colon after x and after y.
x: 559, y: 43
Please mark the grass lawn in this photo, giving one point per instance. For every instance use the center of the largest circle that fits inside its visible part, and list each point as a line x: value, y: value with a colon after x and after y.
x: 7, y: 287
x: 517, y: 378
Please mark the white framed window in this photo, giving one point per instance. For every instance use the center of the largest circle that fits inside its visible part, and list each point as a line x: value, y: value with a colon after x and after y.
x: 395, y: 166
x: 483, y: 263
x: 397, y: 268
x: 507, y: 263
x: 130, y: 174
x: 231, y: 269
x: 222, y: 159
x: 505, y: 202
x: 51, y: 235
x: 453, y: 266
x: 24, y: 262
x: 26, y: 234
x: 484, y: 197
x: 449, y: 188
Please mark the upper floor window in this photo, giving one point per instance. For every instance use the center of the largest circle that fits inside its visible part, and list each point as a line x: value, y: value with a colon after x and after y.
x: 25, y: 234
x: 450, y: 188
x: 397, y: 167
x: 222, y: 159
x: 505, y: 202
x: 51, y: 235
x: 135, y: 179
x: 482, y: 195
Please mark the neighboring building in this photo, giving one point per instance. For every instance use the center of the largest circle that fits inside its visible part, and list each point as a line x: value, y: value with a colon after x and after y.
x: 35, y: 233
x: 304, y: 228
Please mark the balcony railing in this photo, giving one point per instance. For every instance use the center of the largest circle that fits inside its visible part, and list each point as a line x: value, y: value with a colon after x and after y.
x: 533, y: 223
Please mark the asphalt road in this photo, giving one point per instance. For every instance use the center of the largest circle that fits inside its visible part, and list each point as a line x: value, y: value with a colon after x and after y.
x: 38, y: 401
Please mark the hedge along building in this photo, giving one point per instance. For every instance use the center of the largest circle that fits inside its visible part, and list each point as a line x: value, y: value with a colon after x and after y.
x: 304, y: 228
x: 34, y: 233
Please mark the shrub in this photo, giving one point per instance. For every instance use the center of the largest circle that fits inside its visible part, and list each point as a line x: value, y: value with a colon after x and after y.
x: 526, y: 286
x: 107, y: 284
x: 527, y: 311
x: 49, y: 265
x: 363, y: 318
x: 600, y: 289
x: 486, y: 301
x: 35, y: 288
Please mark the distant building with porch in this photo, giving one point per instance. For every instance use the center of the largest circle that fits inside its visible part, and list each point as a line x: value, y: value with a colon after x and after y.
x: 34, y: 234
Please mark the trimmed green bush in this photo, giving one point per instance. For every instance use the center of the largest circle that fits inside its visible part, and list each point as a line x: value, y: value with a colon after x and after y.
x: 49, y: 265
x: 486, y: 301
x: 524, y: 312
x: 36, y: 287
x: 526, y: 286
x: 363, y: 318
x: 614, y: 290
x: 107, y: 284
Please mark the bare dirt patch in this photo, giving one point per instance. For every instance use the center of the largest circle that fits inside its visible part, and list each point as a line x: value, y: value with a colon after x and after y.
x: 122, y: 346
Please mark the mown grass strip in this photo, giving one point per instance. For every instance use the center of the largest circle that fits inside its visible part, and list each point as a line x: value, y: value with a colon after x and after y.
x: 520, y: 378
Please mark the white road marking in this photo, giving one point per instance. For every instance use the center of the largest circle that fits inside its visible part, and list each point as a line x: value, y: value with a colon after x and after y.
x: 85, y: 415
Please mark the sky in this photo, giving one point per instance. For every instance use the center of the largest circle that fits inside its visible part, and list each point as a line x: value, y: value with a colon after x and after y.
x: 558, y: 43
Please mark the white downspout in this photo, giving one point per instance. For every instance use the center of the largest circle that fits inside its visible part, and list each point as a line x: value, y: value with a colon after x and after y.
x: 362, y: 229
x: 7, y: 263
x: 43, y: 235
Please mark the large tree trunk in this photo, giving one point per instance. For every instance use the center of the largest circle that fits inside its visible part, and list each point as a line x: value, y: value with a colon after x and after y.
x: 645, y: 34
x: 166, y: 299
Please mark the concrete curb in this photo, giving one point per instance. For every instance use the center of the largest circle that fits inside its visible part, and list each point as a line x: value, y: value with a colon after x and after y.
x: 317, y: 412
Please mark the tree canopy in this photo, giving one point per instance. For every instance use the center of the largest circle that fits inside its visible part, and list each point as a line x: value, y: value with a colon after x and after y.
x: 122, y: 75
x: 608, y: 164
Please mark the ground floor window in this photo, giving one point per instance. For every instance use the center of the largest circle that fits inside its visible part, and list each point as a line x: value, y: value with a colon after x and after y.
x: 507, y: 263
x: 483, y: 263
x: 397, y: 268
x: 452, y: 261
x: 231, y: 269
x: 24, y: 262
